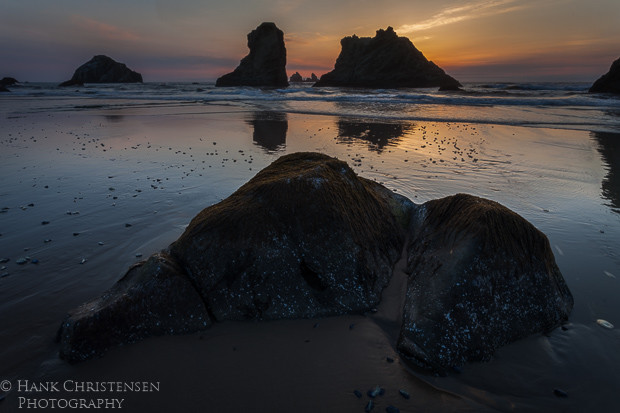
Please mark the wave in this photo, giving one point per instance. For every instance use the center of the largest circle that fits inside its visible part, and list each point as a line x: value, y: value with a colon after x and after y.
x: 560, y: 104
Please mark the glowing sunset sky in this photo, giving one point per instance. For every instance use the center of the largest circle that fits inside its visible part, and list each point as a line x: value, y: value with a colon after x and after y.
x: 477, y: 40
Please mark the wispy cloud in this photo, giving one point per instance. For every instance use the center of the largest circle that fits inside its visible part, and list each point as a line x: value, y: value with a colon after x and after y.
x: 102, y: 30
x: 457, y: 14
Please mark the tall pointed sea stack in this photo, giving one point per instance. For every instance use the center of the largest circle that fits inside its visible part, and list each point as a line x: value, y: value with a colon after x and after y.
x: 265, y: 65
x: 384, y: 61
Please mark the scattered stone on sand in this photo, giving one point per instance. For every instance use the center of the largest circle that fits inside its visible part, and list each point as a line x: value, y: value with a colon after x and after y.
x: 404, y: 393
x: 560, y: 393
x: 392, y: 409
x: 265, y: 65
x: 4, y: 260
x: 604, y: 324
x: 22, y: 261
x: 369, y: 406
x: 384, y: 61
x: 357, y: 394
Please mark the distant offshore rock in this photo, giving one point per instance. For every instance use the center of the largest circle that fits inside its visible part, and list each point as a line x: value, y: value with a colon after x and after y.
x: 103, y: 69
x: 307, y: 237
x: 7, y: 81
x: 265, y: 65
x: 384, y: 61
x: 296, y: 77
x: 609, y: 82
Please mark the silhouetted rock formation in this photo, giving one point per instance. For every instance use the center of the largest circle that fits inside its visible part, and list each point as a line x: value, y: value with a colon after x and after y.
x: 269, y: 130
x: 306, y: 238
x: 384, y: 61
x: 7, y: 81
x: 313, y: 78
x: 102, y: 69
x: 265, y: 65
x: 480, y: 277
x: 609, y: 82
x: 296, y: 77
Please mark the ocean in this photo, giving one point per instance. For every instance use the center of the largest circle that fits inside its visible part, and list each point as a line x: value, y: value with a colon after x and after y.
x: 116, y: 172
x: 564, y: 105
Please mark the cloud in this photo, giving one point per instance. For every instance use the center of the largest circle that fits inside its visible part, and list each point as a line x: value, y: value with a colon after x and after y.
x: 103, y: 30
x: 461, y: 13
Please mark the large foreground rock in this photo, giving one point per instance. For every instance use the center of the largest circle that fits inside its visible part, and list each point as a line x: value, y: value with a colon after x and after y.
x: 153, y: 298
x: 480, y: 276
x: 265, y: 65
x: 306, y: 237
x: 103, y: 69
x: 384, y: 61
x: 609, y: 82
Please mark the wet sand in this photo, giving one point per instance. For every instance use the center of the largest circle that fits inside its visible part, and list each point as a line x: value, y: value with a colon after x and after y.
x: 86, y: 193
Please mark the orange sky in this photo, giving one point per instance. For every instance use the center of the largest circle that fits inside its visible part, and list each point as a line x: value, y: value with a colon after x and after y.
x: 482, y: 40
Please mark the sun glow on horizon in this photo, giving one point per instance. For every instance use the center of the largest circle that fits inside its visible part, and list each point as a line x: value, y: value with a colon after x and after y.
x: 188, y: 41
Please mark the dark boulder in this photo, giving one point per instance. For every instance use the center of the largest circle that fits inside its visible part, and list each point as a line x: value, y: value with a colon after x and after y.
x: 384, y: 61
x: 480, y: 276
x: 265, y: 65
x: 154, y: 297
x: 8, y: 81
x: 296, y: 77
x: 102, y: 69
x: 305, y: 237
x: 609, y: 82
x: 313, y: 78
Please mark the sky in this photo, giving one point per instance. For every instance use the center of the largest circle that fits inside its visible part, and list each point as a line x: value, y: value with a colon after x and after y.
x: 198, y: 40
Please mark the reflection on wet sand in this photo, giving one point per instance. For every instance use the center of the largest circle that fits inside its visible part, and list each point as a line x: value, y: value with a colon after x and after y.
x: 269, y: 130
x: 378, y: 135
x: 609, y: 147
x: 114, y: 118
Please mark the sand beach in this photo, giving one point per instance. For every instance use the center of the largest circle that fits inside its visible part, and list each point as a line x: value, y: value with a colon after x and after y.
x: 95, y: 180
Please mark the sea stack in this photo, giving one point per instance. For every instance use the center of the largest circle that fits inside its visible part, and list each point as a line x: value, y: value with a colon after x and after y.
x: 103, y: 69
x: 265, y: 65
x: 7, y: 81
x: 384, y: 61
x: 609, y: 82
